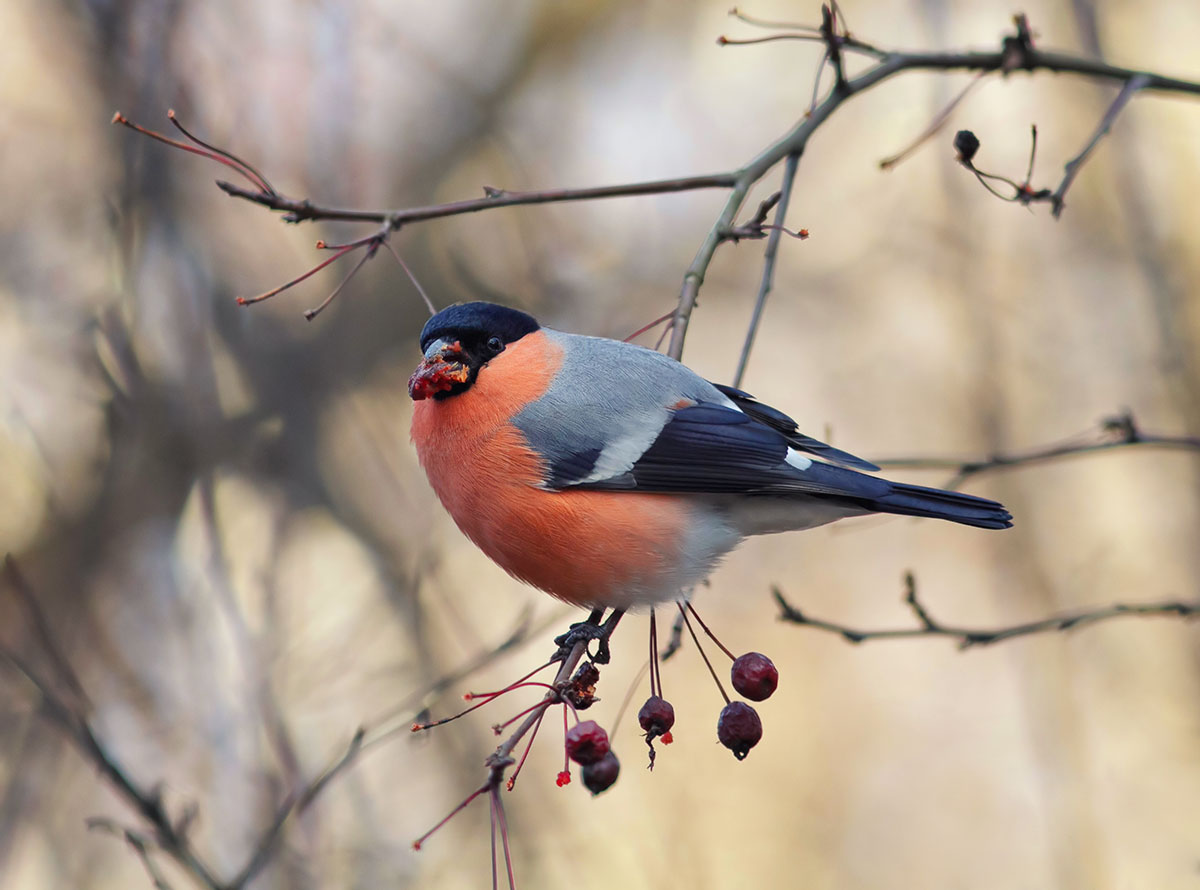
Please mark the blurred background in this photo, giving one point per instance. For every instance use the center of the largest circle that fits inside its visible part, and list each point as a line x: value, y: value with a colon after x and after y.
x: 224, y: 523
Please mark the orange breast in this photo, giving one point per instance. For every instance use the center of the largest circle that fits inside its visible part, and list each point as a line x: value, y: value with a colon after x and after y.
x: 587, y: 547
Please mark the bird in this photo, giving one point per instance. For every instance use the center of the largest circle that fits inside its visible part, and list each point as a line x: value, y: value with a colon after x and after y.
x: 612, y: 476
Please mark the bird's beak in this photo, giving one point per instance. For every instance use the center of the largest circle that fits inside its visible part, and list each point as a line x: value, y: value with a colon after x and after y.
x: 441, y: 368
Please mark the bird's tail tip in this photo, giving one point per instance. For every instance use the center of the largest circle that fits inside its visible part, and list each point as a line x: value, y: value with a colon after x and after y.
x: 953, y: 506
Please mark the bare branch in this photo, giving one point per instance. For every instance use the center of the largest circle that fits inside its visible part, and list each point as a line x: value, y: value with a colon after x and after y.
x: 300, y: 210
x: 1118, y: 431
x: 1017, y: 53
x: 927, y: 626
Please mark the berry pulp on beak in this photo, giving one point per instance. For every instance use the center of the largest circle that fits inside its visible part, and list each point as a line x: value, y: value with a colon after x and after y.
x: 439, y: 371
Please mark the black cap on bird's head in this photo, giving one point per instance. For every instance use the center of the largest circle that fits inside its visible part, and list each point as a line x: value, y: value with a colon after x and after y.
x: 459, y: 341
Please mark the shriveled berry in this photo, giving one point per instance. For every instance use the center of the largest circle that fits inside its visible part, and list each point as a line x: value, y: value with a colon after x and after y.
x: 601, y: 775
x: 656, y: 717
x: 739, y: 728
x: 582, y: 690
x: 587, y: 742
x: 754, y: 676
x: 966, y: 144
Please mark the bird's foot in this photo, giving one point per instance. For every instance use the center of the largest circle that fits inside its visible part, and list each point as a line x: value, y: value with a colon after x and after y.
x: 585, y: 632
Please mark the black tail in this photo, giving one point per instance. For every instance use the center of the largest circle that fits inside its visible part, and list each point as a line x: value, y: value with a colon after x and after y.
x: 916, y: 500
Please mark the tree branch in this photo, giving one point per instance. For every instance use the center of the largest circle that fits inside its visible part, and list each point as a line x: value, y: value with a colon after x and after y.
x: 1118, y: 431
x: 301, y: 210
x: 928, y: 626
x: 1017, y: 53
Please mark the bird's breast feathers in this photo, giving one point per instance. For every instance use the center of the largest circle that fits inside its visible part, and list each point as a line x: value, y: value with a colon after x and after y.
x: 583, y: 546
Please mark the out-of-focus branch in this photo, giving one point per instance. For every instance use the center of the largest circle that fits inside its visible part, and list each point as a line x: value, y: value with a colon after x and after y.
x: 294, y: 803
x: 71, y: 717
x: 169, y: 836
x: 1118, y: 431
x: 928, y: 626
x: 140, y: 845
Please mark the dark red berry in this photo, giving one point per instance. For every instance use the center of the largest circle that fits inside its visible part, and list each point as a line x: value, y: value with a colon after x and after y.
x: 739, y: 728
x: 656, y: 717
x: 601, y: 775
x: 587, y: 742
x: 754, y: 676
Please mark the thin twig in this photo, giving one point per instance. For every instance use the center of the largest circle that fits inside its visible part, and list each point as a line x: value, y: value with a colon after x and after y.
x: 768, y: 272
x: 1135, y: 83
x: 757, y: 22
x: 966, y: 638
x: 413, y: 278
x: 935, y: 126
x: 140, y: 845
x: 847, y: 42
x: 675, y: 641
x: 294, y: 803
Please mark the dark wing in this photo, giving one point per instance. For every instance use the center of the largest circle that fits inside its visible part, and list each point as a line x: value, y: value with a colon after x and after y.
x: 779, y: 421
x: 714, y: 449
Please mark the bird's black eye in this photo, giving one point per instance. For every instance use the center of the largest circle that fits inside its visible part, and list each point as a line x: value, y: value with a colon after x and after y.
x: 495, y: 345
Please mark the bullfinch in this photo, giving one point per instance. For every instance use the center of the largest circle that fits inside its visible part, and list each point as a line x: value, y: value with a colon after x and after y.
x: 612, y: 476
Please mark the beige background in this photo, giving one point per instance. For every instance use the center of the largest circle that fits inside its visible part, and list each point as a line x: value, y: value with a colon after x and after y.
x: 225, y: 523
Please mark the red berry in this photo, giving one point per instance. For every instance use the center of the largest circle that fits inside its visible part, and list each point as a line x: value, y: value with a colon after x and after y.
x: 587, y: 742
x: 601, y: 775
x: 656, y: 717
x: 754, y: 676
x: 739, y: 728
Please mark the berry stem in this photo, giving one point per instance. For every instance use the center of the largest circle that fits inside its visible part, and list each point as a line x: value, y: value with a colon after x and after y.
x: 700, y: 649
x: 498, y: 810
x: 513, y: 719
x: 454, y: 812
x: 487, y: 697
x: 512, y: 780
x: 711, y: 635
x: 566, y: 757
x: 655, y: 676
